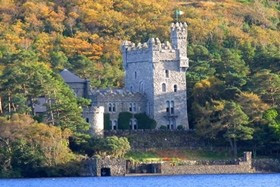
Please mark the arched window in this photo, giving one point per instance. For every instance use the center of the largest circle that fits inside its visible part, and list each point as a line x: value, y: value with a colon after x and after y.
x: 110, y: 107
x: 114, y: 107
x: 114, y: 124
x: 167, y: 106
x: 141, y: 87
x: 133, y: 124
x: 163, y: 87
x: 135, y: 75
x: 172, y: 107
x: 166, y: 73
x: 130, y: 107
x: 175, y: 88
x: 131, y: 88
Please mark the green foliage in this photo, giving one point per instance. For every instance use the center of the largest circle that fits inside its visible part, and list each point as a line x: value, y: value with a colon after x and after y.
x: 107, y: 122
x: 162, y: 127
x: 180, y: 127
x: 113, y: 146
x: 144, y: 122
x: 124, y: 120
x: 24, y: 83
x: 273, y: 118
x: 27, y: 146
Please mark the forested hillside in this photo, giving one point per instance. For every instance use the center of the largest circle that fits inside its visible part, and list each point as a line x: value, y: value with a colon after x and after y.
x: 233, y: 82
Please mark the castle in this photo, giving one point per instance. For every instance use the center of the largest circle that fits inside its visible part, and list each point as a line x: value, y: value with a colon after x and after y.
x: 155, y: 84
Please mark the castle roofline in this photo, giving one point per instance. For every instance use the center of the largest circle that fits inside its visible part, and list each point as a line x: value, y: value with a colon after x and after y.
x: 108, y: 92
x: 70, y: 77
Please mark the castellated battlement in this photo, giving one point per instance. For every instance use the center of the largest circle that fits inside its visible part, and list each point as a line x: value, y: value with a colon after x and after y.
x: 179, y: 26
x: 154, y: 49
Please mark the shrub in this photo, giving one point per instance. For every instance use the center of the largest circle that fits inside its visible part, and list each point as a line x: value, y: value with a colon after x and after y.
x: 124, y: 119
x: 107, y: 123
x: 114, y: 146
x: 180, y: 127
x: 144, y: 122
x: 163, y: 127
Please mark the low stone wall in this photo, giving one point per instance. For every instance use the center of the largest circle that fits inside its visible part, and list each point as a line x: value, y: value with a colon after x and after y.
x: 149, y: 139
x: 266, y: 165
x: 117, y: 166
x: 93, y: 166
x: 244, y: 166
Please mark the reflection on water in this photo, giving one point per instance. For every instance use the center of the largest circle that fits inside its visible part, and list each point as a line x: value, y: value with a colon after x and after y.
x: 243, y: 180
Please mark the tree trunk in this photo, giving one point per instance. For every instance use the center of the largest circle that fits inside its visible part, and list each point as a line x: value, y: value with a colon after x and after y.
x: 235, y: 147
x: 1, y: 108
x: 231, y: 145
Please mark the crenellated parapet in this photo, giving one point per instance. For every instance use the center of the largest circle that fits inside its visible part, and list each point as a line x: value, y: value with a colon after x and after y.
x: 154, y: 50
x: 179, y: 26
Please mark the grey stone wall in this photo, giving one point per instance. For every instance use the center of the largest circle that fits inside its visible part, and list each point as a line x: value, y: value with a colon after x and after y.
x: 244, y: 166
x: 267, y: 165
x: 149, y: 139
x: 117, y: 166
x: 121, y: 100
x: 145, y: 65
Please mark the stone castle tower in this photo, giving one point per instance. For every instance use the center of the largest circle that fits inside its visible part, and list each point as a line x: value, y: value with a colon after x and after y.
x: 157, y: 70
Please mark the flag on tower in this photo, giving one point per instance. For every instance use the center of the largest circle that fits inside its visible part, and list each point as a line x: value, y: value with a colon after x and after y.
x: 179, y: 12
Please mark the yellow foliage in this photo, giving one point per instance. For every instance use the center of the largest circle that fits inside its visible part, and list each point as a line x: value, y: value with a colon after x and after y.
x: 74, y: 46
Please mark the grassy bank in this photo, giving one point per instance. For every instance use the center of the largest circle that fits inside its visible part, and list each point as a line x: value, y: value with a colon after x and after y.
x: 156, y: 155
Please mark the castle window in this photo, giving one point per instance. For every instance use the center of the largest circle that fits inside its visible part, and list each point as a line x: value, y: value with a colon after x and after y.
x: 131, y: 88
x: 167, y: 106
x: 110, y: 107
x: 166, y: 74
x: 87, y: 120
x: 171, y: 124
x: 175, y: 88
x: 163, y: 87
x: 130, y: 107
x: 134, y: 107
x: 114, y: 124
x: 141, y: 87
x: 135, y: 75
x: 172, y: 107
x: 133, y: 124
x: 114, y: 107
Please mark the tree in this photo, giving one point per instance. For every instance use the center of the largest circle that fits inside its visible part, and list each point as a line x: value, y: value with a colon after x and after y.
x: 273, y: 118
x: 27, y: 146
x: 113, y: 146
x: 24, y: 83
x: 225, y: 117
x: 270, y: 86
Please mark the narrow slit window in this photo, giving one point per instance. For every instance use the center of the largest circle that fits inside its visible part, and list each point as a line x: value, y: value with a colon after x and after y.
x: 175, y: 88
x: 167, y: 106
x: 166, y: 73
x: 163, y: 87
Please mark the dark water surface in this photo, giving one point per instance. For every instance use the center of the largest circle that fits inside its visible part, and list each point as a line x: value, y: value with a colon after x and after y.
x: 243, y: 180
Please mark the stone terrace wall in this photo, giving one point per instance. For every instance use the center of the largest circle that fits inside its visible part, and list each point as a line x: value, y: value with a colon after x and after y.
x: 244, y: 166
x: 117, y: 166
x: 267, y: 165
x: 148, y: 139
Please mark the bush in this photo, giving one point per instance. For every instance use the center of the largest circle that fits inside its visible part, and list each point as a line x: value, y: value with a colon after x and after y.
x: 112, y: 146
x: 163, y: 127
x: 144, y: 122
x: 180, y: 127
x: 123, y: 120
x: 107, y: 123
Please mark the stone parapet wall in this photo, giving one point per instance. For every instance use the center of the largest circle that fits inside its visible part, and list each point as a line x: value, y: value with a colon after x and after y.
x: 149, y: 139
x: 267, y: 165
x: 244, y: 166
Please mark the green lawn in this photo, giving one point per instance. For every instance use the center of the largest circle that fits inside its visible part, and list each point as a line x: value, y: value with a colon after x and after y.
x: 175, y: 155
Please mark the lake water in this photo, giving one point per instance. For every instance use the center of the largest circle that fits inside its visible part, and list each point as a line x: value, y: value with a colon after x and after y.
x: 243, y: 180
